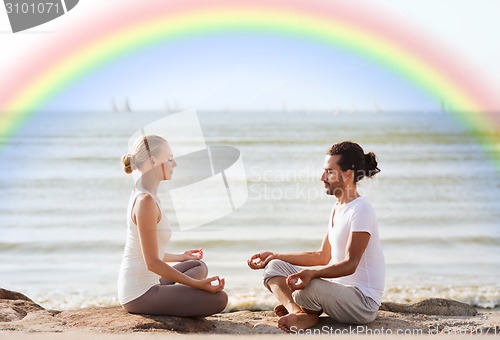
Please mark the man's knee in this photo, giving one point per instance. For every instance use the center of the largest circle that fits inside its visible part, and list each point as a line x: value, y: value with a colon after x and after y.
x: 309, y: 297
x: 274, y: 268
x: 365, y: 318
x: 313, y: 288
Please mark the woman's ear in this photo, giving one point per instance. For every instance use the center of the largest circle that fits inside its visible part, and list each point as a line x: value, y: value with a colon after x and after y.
x: 152, y: 160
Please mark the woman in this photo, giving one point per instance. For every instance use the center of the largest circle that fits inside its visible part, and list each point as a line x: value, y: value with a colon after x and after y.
x: 147, y: 284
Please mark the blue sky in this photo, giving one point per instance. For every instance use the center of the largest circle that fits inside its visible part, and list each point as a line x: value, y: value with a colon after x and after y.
x: 245, y: 72
x: 269, y: 73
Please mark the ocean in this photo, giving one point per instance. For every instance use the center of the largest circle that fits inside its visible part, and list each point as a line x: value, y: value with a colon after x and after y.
x: 64, y: 197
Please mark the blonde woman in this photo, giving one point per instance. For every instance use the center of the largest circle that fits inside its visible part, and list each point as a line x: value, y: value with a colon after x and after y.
x: 147, y: 284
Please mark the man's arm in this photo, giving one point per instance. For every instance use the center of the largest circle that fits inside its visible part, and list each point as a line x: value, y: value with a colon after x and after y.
x: 355, y: 248
x: 319, y: 257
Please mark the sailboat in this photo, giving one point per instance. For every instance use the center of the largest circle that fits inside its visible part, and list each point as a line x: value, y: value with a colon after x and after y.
x: 125, y: 108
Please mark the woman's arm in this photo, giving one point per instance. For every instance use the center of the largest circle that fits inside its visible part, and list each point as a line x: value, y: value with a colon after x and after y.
x: 193, y: 254
x: 146, y: 215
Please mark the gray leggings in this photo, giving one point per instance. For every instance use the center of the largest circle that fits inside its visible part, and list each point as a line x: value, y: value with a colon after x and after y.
x: 346, y: 304
x: 170, y: 298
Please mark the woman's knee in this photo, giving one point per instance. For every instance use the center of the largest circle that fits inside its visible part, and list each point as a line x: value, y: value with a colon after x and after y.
x: 211, y: 304
x: 220, y: 301
x: 203, y: 268
x: 128, y: 308
x: 197, y: 269
x: 195, y: 263
x: 134, y: 307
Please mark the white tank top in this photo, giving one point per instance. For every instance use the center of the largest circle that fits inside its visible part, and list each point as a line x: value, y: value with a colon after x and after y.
x: 134, y: 278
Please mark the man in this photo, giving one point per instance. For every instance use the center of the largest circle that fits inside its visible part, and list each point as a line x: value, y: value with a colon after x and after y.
x: 349, y: 289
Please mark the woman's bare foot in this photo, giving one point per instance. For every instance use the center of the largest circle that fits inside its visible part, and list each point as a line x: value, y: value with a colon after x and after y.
x: 294, y: 322
x: 280, y: 310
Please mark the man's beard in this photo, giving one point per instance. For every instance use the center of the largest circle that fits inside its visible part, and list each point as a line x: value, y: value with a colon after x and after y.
x: 335, y: 189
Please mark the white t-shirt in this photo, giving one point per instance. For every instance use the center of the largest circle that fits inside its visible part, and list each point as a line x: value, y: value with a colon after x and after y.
x: 134, y: 278
x: 358, y: 216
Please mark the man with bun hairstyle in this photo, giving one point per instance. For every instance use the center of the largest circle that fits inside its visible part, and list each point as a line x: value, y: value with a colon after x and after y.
x: 349, y: 285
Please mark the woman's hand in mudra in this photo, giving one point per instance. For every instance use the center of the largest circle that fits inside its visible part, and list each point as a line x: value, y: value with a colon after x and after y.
x: 211, y: 284
x: 194, y: 254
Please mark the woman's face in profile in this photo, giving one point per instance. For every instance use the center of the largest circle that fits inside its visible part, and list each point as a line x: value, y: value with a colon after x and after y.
x: 166, y: 162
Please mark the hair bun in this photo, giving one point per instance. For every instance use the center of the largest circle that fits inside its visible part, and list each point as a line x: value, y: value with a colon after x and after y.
x: 128, y: 162
x: 371, y: 168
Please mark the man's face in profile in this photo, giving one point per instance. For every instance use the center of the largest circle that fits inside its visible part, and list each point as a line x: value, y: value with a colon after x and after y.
x: 332, y: 176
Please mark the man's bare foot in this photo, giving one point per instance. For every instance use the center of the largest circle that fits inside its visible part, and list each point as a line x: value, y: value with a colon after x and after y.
x: 294, y: 322
x: 280, y: 310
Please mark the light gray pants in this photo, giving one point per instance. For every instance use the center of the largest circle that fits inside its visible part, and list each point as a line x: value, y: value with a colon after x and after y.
x: 345, y: 304
x: 170, y: 298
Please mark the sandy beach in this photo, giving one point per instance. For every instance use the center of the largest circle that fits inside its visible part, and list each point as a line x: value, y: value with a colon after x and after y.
x: 137, y: 336
x: 22, y: 318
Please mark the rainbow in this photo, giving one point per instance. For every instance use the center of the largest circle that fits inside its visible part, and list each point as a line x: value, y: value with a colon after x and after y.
x: 135, y: 26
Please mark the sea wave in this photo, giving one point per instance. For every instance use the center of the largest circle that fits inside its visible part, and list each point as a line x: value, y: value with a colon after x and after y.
x: 234, y: 243
x: 259, y: 299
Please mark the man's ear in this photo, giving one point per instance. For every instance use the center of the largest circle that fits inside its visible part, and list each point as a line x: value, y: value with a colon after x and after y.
x: 348, y: 175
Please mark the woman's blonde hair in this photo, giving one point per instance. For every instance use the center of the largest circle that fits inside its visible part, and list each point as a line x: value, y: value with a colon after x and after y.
x: 144, y: 147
